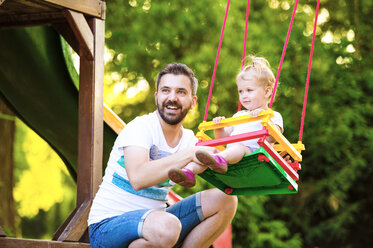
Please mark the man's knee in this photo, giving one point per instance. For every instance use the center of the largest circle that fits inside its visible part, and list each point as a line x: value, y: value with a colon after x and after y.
x: 214, y: 200
x: 162, y: 229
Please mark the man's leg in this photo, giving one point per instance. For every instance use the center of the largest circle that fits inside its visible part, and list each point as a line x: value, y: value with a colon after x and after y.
x: 160, y: 229
x: 218, y: 210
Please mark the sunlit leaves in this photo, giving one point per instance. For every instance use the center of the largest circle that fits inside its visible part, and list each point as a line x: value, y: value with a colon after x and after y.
x: 41, y: 185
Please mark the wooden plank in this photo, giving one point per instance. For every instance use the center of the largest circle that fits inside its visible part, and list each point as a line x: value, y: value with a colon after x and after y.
x: 31, y: 19
x: 98, y: 26
x: 33, y: 243
x: 82, y: 33
x: 26, y: 6
x: 61, y: 229
x: 85, y: 130
x: 78, y: 224
x: 113, y: 120
x: 95, y: 8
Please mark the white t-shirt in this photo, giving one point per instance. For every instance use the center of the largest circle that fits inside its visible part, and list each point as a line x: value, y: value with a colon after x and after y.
x: 253, y: 126
x: 115, y: 195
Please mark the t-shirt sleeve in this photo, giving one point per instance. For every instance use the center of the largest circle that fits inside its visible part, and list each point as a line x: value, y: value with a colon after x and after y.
x: 277, y: 120
x: 136, y: 133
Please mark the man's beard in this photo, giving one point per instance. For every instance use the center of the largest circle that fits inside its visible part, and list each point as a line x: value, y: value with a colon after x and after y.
x: 172, y: 119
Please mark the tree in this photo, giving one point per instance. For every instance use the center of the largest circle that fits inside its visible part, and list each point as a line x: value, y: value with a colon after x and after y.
x: 7, y: 206
x: 332, y: 208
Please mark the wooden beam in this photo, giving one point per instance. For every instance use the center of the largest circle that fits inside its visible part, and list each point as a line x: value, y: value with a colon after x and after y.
x: 98, y: 26
x: 90, y: 132
x: 95, y: 8
x: 65, y: 30
x: 113, y: 120
x: 32, y: 243
x: 82, y: 33
x: 2, y: 1
x: 61, y: 229
x: 78, y: 224
x: 31, y: 19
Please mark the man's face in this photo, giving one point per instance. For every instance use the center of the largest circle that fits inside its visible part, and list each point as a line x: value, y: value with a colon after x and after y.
x: 174, y: 98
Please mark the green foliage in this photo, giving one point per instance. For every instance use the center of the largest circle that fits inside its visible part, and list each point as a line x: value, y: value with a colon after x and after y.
x: 332, y: 207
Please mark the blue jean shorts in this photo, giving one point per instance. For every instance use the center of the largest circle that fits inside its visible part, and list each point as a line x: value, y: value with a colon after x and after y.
x: 120, y: 231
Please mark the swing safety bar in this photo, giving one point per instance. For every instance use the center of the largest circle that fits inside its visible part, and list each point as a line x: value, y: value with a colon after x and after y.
x: 280, y: 160
x: 280, y: 138
x: 234, y: 138
x: 210, y: 125
x: 293, y: 150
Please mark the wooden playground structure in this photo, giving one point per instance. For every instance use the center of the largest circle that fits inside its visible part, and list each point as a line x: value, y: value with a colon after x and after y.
x: 82, y: 24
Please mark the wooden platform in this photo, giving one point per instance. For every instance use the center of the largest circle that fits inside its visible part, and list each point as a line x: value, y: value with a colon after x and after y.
x: 34, y: 243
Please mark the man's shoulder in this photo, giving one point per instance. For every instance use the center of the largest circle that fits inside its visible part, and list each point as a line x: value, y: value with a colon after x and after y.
x: 146, y: 119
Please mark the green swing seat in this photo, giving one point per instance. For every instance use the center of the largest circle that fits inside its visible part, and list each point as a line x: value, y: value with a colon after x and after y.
x: 256, y: 174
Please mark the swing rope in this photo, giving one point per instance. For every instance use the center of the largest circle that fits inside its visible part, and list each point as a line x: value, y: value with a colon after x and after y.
x: 280, y: 64
x: 309, y: 72
x: 216, y: 61
x: 244, y: 43
x: 283, y: 53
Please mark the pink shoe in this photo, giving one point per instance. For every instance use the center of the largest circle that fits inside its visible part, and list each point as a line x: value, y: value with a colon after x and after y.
x: 214, y: 161
x: 183, y: 177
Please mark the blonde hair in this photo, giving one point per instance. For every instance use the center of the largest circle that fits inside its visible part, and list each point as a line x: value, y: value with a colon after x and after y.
x: 259, y: 70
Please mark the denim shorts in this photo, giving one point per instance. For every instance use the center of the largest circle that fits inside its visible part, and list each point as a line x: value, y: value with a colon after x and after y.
x: 120, y: 231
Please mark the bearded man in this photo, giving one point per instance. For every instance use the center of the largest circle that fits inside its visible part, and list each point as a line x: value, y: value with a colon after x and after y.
x: 130, y: 210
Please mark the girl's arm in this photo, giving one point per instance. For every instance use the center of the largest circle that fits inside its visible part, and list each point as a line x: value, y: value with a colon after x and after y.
x: 221, y: 132
x: 272, y: 140
x: 255, y: 113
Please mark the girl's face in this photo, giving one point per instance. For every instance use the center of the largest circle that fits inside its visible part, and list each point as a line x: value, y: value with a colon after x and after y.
x: 253, y: 95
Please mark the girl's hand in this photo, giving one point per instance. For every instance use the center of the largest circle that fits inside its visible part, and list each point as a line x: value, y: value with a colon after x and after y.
x: 218, y: 119
x: 255, y: 112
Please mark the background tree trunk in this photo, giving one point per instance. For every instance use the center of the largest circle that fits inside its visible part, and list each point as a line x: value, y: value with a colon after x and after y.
x: 7, y: 205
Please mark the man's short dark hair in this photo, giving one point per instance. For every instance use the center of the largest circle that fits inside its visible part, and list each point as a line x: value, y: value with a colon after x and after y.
x: 179, y: 69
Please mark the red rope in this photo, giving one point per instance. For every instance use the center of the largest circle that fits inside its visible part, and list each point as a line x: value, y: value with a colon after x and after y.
x: 309, y: 72
x: 244, y: 43
x: 283, y: 53
x: 216, y: 61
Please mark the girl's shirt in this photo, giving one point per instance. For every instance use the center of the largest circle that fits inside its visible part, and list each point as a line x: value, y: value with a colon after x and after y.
x: 253, y: 126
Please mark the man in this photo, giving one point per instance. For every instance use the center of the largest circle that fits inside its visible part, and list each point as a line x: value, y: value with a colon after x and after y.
x: 129, y: 209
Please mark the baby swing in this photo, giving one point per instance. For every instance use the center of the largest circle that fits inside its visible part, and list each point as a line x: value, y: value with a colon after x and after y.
x: 264, y: 171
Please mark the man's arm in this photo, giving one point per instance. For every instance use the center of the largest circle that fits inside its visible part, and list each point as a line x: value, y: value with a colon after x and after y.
x: 143, y: 173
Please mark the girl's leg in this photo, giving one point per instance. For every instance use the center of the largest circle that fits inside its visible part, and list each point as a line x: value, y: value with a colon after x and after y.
x: 218, y: 162
x: 235, y: 153
x: 185, y: 177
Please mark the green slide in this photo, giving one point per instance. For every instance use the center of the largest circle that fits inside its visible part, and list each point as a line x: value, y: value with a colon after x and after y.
x: 36, y: 84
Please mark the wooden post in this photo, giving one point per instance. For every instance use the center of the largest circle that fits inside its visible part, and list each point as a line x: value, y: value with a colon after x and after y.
x: 90, y: 130
x: 91, y: 117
